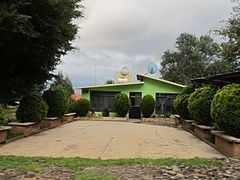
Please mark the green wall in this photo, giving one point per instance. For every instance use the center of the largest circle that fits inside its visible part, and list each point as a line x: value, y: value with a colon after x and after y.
x: 150, y: 86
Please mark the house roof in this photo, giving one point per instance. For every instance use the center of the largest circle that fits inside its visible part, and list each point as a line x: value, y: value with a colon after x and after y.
x: 76, y: 96
x: 220, y: 79
x: 141, y: 76
x: 109, y: 85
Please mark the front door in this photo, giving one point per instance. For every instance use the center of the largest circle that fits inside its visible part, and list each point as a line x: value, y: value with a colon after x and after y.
x: 135, y: 111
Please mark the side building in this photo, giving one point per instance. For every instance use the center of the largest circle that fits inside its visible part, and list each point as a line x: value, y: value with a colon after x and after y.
x: 164, y: 92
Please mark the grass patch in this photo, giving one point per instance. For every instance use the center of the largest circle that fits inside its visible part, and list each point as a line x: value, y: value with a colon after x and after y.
x: 37, y: 164
x: 92, y: 176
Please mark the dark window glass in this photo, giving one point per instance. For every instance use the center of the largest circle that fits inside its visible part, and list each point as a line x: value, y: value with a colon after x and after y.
x: 101, y: 100
x: 164, y: 103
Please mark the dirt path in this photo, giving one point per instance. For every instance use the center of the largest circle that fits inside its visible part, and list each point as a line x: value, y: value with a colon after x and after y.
x: 109, y: 140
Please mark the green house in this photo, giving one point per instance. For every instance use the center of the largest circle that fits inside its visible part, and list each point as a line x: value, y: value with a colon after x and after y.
x: 164, y: 92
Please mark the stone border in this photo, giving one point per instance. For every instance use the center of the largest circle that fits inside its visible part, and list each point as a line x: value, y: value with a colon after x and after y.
x: 172, y: 122
x: 117, y: 119
x: 187, y: 125
x: 69, y: 117
x: 202, y: 132
x: 3, y: 133
x: 226, y: 144
x: 52, y: 122
x: 26, y: 128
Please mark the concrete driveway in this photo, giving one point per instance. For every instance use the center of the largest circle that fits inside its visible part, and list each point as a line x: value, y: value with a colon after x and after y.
x: 109, y: 140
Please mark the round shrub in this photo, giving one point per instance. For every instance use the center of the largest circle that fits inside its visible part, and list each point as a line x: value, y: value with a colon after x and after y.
x: 122, y: 104
x: 188, y: 90
x: 199, y: 105
x: 147, y: 105
x: 81, y: 107
x: 32, y: 108
x: 225, y: 109
x: 58, y: 102
x: 180, y: 105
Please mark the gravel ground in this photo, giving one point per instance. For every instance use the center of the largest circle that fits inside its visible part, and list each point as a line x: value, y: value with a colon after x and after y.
x: 229, y: 170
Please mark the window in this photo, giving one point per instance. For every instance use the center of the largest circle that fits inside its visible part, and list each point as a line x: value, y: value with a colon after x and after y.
x: 101, y: 100
x: 164, y: 103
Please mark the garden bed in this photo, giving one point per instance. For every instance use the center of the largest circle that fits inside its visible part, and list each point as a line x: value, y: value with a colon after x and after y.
x: 202, y: 132
x: 121, y: 119
x: 173, y: 122
x: 52, y: 122
x: 68, y: 117
x: 227, y: 145
x: 3, y: 133
x: 187, y: 125
x: 26, y: 129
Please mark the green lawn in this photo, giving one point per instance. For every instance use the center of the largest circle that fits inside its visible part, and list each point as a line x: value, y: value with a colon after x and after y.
x: 39, y: 164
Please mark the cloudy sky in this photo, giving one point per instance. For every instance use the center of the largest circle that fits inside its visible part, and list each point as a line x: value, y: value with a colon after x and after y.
x: 133, y: 33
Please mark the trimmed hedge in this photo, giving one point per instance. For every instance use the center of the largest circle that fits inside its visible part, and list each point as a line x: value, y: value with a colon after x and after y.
x: 32, y: 108
x: 81, y: 107
x: 188, y: 90
x: 58, y: 102
x: 122, y: 104
x: 180, y: 103
x: 225, y: 109
x: 199, y: 105
x: 147, y: 105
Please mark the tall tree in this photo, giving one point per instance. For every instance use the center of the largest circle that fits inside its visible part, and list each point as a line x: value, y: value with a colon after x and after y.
x: 63, y: 83
x: 34, y: 34
x: 193, y: 57
x: 231, y: 33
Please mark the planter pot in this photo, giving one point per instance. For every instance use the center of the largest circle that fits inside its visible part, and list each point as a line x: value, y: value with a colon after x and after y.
x: 52, y: 122
x: 173, y: 122
x: 3, y: 133
x: 68, y: 117
x: 227, y: 145
x: 202, y: 132
x: 120, y: 119
x: 187, y: 125
x: 26, y: 129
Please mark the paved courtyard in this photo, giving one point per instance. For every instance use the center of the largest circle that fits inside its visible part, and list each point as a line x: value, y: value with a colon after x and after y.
x: 109, y: 140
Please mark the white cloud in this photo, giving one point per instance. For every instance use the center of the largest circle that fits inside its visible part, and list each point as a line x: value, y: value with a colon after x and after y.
x: 116, y: 33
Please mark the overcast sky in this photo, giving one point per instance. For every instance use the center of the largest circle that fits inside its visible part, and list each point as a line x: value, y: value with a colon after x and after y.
x: 133, y: 33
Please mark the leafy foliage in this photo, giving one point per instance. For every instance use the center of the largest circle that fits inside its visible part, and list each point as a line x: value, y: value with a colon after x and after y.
x: 34, y: 35
x: 188, y: 90
x: 194, y: 57
x: 199, y: 105
x: 180, y: 105
x: 225, y: 109
x: 231, y: 50
x: 81, y: 107
x: 58, y: 102
x: 147, y: 105
x: 63, y: 83
x: 122, y: 104
x: 32, y: 108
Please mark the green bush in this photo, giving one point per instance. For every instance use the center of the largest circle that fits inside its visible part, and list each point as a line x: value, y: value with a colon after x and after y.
x: 188, y: 90
x: 122, y: 104
x: 199, y: 105
x: 225, y: 109
x: 32, y: 108
x: 180, y: 104
x: 3, y: 119
x: 58, y: 102
x: 147, y: 105
x: 81, y: 107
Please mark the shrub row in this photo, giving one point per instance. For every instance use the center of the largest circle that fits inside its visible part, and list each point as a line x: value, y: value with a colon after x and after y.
x: 207, y: 106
